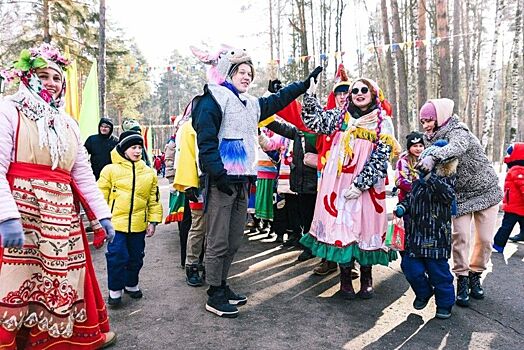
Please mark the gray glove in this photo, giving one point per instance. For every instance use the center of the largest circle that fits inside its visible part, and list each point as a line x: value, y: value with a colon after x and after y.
x: 427, y: 164
x: 352, y: 192
x: 11, y: 233
x: 108, y: 227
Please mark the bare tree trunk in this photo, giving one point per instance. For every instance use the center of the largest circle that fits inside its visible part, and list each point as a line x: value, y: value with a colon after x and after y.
x: 422, y: 70
x: 312, y: 33
x: 444, y: 59
x: 279, y: 31
x: 412, y: 81
x: 323, y: 45
x: 476, y: 78
x: 301, y: 29
x: 455, y: 70
x: 338, y: 20
x: 271, y: 40
x: 102, y: 59
x: 487, y: 132
x: 45, y: 20
x: 390, y: 71
x: 515, y: 76
x: 373, y: 32
x: 403, y: 113
x: 467, y: 64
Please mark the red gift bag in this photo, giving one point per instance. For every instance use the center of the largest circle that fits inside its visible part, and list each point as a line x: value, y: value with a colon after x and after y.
x: 396, y: 234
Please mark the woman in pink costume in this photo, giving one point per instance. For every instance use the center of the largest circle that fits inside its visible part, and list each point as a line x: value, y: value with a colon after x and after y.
x: 350, y: 213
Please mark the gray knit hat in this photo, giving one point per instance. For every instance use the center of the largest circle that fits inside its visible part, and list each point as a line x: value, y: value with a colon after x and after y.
x: 128, y: 139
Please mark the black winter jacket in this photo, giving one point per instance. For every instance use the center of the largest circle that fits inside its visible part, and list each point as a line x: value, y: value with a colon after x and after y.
x: 207, y: 118
x: 303, y: 179
x: 429, y: 209
x: 99, y: 147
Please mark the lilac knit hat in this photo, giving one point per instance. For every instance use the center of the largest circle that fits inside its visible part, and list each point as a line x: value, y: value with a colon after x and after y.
x: 428, y: 111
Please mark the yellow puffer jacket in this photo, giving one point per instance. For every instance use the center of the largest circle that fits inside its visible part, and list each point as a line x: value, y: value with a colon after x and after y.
x: 131, y: 190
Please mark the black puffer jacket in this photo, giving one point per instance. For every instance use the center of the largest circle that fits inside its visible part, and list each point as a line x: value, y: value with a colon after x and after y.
x: 100, y: 146
x: 303, y: 179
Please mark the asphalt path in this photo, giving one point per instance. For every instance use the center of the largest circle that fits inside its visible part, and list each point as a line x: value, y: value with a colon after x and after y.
x: 290, y: 308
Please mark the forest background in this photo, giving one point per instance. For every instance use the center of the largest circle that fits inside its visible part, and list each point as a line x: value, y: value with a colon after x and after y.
x: 468, y: 50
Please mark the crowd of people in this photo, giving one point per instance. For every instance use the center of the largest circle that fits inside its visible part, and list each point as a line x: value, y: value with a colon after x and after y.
x: 312, y: 173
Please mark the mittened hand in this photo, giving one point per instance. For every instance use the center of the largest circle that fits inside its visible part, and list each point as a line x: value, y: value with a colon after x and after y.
x: 352, y: 193
x: 223, y: 185
x: 314, y: 74
x: 108, y: 227
x: 312, y: 87
x: 11, y: 234
x: 274, y: 86
x: 426, y: 165
x: 192, y: 194
x: 399, y: 211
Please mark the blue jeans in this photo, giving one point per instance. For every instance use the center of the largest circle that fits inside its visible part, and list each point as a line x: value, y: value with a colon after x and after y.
x: 430, y: 276
x: 125, y: 258
x: 508, y: 222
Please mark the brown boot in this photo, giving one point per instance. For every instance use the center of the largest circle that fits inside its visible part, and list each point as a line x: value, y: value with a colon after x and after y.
x: 325, y: 268
x: 346, y: 285
x: 366, y: 282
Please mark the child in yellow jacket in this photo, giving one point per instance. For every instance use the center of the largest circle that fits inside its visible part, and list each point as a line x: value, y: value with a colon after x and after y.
x: 130, y: 188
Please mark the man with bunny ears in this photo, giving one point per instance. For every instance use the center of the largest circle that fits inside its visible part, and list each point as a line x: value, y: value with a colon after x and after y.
x: 226, y: 119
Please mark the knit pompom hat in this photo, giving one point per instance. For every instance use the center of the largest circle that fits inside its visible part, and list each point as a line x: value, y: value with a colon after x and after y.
x: 414, y: 138
x: 128, y: 139
x: 428, y: 112
x: 130, y: 124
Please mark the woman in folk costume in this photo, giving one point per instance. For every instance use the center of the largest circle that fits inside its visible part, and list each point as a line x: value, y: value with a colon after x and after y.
x: 350, y: 214
x: 49, y: 295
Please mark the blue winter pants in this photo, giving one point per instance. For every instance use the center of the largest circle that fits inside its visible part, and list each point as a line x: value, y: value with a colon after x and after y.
x: 430, y: 276
x: 125, y: 258
x: 508, y: 222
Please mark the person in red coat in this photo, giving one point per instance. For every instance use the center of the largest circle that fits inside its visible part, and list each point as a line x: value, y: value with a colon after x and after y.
x: 513, y: 202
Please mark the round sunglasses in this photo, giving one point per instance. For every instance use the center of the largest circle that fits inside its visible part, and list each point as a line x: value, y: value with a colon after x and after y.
x: 363, y: 90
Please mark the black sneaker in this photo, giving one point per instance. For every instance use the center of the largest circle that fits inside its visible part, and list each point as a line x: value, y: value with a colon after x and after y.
x: 443, y: 313
x: 218, y: 304
x: 114, y: 302
x: 193, y: 278
x: 419, y: 303
x: 476, y: 290
x: 463, y: 291
x: 234, y: 298
x: 137, y: 294
x: 517, y: 238
x: 305, y: 255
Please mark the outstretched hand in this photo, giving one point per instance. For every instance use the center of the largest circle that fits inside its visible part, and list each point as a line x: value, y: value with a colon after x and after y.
x: 313, y: 75
x: 274, y: 86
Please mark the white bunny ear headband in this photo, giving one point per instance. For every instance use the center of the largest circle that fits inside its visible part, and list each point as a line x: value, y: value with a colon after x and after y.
x: 221, y: 61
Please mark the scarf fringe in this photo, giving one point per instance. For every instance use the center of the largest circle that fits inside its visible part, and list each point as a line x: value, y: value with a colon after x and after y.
x: 364, y: 134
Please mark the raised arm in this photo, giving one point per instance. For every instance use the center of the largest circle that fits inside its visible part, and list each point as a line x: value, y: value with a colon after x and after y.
x: 275, y: 102
x: 316, y: 118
